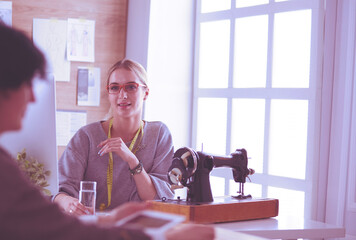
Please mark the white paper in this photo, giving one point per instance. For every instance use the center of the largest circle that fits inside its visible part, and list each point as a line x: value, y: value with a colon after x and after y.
x: 88, y: 86
x: 51, y: 36
x: 67, y: 124
x: 80, y: 40
x: 6, y: 12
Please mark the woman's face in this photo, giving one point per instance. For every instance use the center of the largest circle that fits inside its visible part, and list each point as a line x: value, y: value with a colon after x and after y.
x: 127, y: 104
x: 13, y: 105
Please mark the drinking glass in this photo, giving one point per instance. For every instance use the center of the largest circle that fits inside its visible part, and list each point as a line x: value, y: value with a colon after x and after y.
x: 87, y: 195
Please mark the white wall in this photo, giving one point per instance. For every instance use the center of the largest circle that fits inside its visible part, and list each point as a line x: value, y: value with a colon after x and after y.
x: 168, y: 54
x: 38, y: 133
x: 137, y: 30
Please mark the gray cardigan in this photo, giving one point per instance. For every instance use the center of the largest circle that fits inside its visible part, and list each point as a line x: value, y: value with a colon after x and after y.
x: 80, y: 161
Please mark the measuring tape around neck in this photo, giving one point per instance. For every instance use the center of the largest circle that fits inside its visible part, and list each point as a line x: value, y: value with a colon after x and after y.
x: 110, y: 171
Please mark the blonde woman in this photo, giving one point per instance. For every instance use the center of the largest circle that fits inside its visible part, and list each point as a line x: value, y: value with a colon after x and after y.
x: 127, y: 156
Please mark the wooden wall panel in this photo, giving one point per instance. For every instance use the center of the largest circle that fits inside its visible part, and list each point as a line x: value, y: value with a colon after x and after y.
x: 110, y: 41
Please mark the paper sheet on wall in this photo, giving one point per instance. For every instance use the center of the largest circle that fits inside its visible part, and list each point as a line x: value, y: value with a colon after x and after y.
x: 6, y: 12
x: 80, y: 40
x: 88, y: 86
x: 51, y: 36
x: 67, y: 124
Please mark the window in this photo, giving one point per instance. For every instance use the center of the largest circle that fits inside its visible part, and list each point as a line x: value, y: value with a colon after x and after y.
x: 257, y: 86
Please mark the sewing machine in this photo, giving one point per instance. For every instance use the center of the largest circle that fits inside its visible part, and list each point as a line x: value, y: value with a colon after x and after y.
x: 192, y: 169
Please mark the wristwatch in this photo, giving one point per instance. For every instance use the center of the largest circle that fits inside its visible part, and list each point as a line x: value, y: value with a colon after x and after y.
x: 137, y: 169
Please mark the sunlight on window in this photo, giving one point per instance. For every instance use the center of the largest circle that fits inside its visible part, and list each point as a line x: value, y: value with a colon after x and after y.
x: 255, y: 190
x: 288, y: 138
x: 217, y: 186
x: 214, y: 54
x: 213, y: 5
x: 211, y: 129
x: 291, y: 49
x: 251, y: 39
x: 291, y: 202
x: 247, y: 130
x: 261, y: 100
x: 249, y: 3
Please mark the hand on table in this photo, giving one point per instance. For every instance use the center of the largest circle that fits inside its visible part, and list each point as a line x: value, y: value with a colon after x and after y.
x: 182, y: 231
x: 71, y: 205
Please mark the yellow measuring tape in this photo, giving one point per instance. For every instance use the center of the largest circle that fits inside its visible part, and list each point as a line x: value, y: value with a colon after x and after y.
x: 110, y: 171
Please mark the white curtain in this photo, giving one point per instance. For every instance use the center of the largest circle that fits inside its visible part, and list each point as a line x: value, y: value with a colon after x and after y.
x: 337, y: 189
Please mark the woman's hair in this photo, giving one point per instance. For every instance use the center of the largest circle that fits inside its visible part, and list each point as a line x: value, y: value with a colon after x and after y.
x: 129, y: 65
x: 20, y: 59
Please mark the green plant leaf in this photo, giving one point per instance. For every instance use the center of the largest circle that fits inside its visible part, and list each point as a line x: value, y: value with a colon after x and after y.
x: 34, y: 170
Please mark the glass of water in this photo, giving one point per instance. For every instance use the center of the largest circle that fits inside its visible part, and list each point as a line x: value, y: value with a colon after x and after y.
x: 87, y: 195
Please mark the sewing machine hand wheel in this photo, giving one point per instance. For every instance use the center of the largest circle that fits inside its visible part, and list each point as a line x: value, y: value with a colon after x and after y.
x: 183, y: 167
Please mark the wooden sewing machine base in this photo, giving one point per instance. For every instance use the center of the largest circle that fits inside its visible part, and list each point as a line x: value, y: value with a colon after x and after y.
x: 224, y: 209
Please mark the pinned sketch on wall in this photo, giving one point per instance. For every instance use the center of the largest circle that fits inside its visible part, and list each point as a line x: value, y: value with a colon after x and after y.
x: 67, y: 124
x: 6, y: 12
x: 88, y: 86
x: 80, y: 40
x: 51, y: 36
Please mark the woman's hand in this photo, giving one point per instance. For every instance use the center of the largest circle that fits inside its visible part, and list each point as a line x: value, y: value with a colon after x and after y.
x: 191, y: 232
x: 117, y: 146
x: 71, y: 205
x: 145, y: 188
x: 121, y: 212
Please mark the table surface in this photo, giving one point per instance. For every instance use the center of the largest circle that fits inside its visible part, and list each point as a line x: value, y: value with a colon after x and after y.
x: 285, y: 227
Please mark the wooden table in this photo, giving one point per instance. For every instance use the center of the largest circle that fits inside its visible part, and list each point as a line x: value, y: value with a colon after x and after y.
x: 222, y: 209
x: 285, y: 227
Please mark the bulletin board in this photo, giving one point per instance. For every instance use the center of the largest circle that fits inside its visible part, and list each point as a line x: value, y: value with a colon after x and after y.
x: 110, y: 18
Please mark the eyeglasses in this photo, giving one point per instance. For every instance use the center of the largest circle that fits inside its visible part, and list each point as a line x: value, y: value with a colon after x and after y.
x: 131, y: 87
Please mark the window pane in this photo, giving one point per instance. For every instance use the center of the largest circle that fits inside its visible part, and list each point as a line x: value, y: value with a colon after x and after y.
x: 291, y: 49
x: 211, y: 125
x: 288, y: 138
x: 291, y: 202
x: 214, y: 54
x: 250, y: 188
x: 213, y: 5
x: 248, y: 3
x: 247, y: 130
x: 217, y: 186
x: 251, y: 38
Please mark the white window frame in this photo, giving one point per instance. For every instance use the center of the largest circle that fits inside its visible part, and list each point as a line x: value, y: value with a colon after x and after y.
x: 312, y: 94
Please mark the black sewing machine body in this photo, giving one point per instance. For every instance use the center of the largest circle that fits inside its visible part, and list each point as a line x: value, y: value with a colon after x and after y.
x: 192, y: 169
